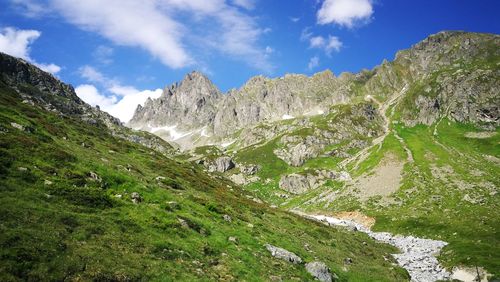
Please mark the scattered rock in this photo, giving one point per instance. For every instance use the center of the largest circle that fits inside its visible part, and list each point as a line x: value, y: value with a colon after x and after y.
x: 47, y: 182
x: 221, y: 164
x: 227, y: 218
x: 300, y: 183
x: 417, y: 255
x: 283, y: 254
x: 95, y: 177
x: 118, y: 196
x: 160, y: 178
x: 349, y: 260
x: 172, y: 206
x: 183, y: 223
x: 232, y: 239
x: 250, y: 169
x: 136, y: 198
x: 22, y: 168
x: 320, y: 271
x: 17, y: 125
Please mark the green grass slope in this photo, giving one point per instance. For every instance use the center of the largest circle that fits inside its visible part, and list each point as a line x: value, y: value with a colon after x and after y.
x: 66, y: 214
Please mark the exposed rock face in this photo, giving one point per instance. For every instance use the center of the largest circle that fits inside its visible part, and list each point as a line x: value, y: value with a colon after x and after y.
x: 298, y: 150
x: 221, y: 164
x: 37, y: 87
x: 452, y: 74
x: 319, y: 270
x: 189, y: 104
x: 283, y: 254
x: 300, y: 183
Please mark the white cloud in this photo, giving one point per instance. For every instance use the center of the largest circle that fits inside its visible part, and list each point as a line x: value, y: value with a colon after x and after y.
x: 16, y: 42
x: 171, y: 30
x: 52, y: 68
x: 345, y: 12
x: 123, y: 109
x: 334, y: 44
x: 91, y: 95
x: 118, y: 100
x: 313, y: 63
x: 130, y: 23
x: 92, y: 75
x: 103, y: 54
x: 317, y: 42
x: 330, y: 44
x: 293, y: 19
x: 30, y: 8
x: 246, y: 4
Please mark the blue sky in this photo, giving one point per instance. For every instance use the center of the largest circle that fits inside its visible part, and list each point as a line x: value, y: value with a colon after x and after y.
x: 118, y: 52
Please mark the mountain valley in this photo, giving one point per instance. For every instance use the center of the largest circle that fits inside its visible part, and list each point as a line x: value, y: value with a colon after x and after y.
x: 334, y: 178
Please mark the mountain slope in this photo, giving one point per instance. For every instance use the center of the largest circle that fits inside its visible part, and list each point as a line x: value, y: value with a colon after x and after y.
x: 80, y: 201
x: 443, y: 63
x: 415, y: 146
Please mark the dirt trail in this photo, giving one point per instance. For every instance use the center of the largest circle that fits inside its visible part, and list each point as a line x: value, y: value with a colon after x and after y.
x: 383, y: 107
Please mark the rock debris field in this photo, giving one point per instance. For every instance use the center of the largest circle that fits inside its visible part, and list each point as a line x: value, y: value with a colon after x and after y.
x: 417, y: 255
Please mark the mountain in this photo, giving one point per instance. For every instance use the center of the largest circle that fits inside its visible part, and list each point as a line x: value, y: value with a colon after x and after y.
x: 85, y: 198
x: 413, y: 144
x: 292, y: 178
x: 196, y: 113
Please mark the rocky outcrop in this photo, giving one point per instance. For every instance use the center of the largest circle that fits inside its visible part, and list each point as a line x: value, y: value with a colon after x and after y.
x: 42, y: 89
x: 283, y: 254
x: 418, y: 255
x: 450, y: 74
x: 301, y: 183
x: 190, y: 104
x: 221, y: 164
x: 320, y: 271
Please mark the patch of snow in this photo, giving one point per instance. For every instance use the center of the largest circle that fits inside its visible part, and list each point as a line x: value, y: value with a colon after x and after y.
x: 314, y: 112
x: 226, y: 144
x: 174, y: 134
x: 284, y: 117
x: 204, y: 132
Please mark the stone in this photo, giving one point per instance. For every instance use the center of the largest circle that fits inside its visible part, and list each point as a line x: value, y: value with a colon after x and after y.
x: 47, y: 182
x: 227, y: 218
x: 320, y: 271
x: 17, y: 126
x: 249, y: 169
x: 22, y: 168
x: 136, y: 198
x: 172, y: 206
x: 348, y: 260
x: 283, y: 254
x: 232, y: 239
x: 94, y: 176
x: 221, y: 164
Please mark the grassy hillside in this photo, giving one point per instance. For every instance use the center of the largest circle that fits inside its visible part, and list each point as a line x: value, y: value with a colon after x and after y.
x: 66, y: 213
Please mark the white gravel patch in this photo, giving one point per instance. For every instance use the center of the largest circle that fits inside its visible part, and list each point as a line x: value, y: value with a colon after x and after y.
x: 418, y: 255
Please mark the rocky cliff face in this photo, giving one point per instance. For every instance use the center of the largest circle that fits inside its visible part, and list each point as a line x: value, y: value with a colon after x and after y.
x: 42, y: 89
x: 452, y: 74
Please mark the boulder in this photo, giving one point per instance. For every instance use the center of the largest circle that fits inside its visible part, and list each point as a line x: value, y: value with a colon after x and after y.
x: 301, y: 183
x: 249, y: 169
x: 283, y: 254
x: 298, y: 183
x: 221, y: 164
x: 136, y: 198
x: 320, y: 271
